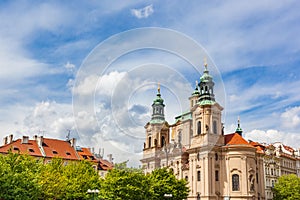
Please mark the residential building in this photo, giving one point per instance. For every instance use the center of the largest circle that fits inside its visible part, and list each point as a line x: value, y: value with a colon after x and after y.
x: 48, y: 148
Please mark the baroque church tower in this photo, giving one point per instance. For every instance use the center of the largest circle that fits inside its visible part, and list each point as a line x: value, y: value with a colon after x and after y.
x: 157, y: 134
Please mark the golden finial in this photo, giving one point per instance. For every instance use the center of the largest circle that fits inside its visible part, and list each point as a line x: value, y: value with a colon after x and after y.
x: 205, y: 62
x: 239, y: 121
x: 158, y: 87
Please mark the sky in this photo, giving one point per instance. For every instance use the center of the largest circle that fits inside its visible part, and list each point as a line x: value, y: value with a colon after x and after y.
x: 92, y: 67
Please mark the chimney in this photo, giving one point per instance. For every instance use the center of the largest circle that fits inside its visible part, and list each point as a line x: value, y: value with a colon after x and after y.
x: 73, y: 143
x: 10, y: 138
x: 5, y: 140
x: 110, y: 158
x: 40, y: 141
x: 25, y: 140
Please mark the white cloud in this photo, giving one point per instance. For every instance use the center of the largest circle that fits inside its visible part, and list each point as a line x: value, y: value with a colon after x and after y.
x: 70, y: 67
x: 272, y: 136
x: 143, y: 12
x: 291, y: 117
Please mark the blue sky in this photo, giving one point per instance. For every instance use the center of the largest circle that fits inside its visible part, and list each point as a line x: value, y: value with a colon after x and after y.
x: 254, y: 45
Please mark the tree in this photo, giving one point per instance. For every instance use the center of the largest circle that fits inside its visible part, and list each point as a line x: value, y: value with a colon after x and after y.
x: 19, y: 177
x: 124, y: 184
x: 52, y: 181
x: 163, y: 181
x: 131, y: 183
x: 80, y: 176
x: 68, y: 182
x: 287, y: 188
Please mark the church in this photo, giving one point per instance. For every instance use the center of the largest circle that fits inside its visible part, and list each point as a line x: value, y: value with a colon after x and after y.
x: 216, y: 165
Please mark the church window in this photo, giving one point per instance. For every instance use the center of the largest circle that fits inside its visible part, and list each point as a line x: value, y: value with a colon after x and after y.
x: 235, y: 182
x: 149, y: 142
x: 217, y: 175
x: 216, y: 156
x: 198, y: 175
x: 186, y: 178
x: 199, y: 128
x: 155, y: 142
x: 215, y: 127
x: 198, y: 197
x: 162, y: 141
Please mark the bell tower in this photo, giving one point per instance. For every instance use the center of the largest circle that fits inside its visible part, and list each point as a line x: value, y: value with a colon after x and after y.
x: 157, y: 135
x: 207, y: 114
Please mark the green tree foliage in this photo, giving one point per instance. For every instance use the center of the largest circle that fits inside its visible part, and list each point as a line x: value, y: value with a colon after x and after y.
x: 18, y: 177
x: 122, y: 184
x: 24, y: 177
x: 129, y: 183
x: 164, y: 182
x: 287, y: 188
x: 80, y: 176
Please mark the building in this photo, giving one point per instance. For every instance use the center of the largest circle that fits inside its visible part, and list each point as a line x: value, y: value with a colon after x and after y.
x: 216, y: 166
x: 48, y: 148
x: 279, y: 160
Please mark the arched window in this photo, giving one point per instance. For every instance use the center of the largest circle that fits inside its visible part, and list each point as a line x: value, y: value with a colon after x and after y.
x: 198, y: 197
x: 155, y: 142
x: 199, y: 128
x: 149, y: 142
x: 162, y: 141
x: 198, y: 175
x: 215, y: 127
x: 235, y: 182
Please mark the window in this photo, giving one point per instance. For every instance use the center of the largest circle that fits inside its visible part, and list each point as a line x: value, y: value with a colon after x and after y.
x: 149, y: 142
x: 199, y: 176
x: 31, y: 150
x: 68, y: 153
x: 216, y: 156
x: 162, y: 141
x: 186, y: 178
x: 16, y: 149
x: 54, y: 152
x: 215, y: 127
x: 235, y: 182
x: 199, y: 128
x: 217, y: 175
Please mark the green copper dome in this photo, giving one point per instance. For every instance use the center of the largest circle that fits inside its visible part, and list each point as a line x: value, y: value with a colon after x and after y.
x: 158, y: 99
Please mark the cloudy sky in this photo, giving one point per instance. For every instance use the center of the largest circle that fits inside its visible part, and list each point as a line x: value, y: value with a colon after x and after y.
x: 92, y: 67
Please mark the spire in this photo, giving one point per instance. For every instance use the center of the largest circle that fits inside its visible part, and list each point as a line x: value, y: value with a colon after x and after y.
x: 158, y: 108
x: 158, y: 88
x: 206, y: 87
x: 205, y: 63
x: 239, y: 129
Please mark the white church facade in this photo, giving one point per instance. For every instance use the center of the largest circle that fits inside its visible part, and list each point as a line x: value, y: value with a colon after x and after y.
x: 216, y: 166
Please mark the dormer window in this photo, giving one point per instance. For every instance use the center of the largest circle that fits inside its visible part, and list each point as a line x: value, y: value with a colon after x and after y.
x: 54, y: 152
x: 16, y: 149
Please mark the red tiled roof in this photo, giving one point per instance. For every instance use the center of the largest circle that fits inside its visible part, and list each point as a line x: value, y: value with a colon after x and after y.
x: 85, y: 154
x: 235, y: 139
x: 259, y: 147
x: 288, y: 148
x: 59, y: 148
x: 105, y: 164
x: 30, y: 148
